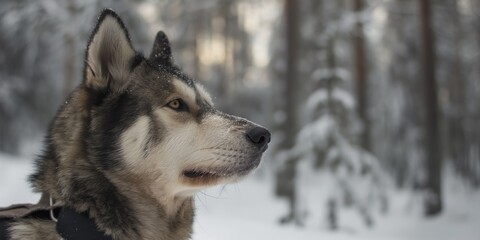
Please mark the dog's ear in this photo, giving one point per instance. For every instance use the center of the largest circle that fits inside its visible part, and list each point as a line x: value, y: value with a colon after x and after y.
x: 109, y: 54
x: 161, y: 52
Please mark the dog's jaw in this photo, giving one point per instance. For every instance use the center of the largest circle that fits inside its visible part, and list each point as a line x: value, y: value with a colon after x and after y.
x: 202, y: 176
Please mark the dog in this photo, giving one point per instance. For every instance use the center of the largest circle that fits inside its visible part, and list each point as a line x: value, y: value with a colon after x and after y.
x: 131, y: 146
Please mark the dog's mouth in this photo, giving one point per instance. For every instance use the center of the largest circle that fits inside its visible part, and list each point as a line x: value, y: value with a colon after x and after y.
x: 209, y: 174
x: 217, y: 173
x: 199, y: 174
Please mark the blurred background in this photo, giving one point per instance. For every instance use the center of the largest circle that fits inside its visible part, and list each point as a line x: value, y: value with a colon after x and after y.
x: 373, y: 106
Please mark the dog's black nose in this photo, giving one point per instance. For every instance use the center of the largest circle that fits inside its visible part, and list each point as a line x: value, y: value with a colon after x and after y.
x: 259, y: 136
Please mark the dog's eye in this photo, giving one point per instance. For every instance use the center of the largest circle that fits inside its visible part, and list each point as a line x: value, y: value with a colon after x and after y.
x: 178, y: 105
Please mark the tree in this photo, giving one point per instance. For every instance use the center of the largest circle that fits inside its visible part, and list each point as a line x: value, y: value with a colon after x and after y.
x: 287, y: 174
x: 361, y: 75
x: 325, y: 149
x: 433, y: 167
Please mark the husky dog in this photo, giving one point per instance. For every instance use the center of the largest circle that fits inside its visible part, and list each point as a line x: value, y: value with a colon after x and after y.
x: 134, y: 142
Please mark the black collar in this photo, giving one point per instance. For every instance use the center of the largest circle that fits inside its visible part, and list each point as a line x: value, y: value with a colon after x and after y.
x: 72, y: 225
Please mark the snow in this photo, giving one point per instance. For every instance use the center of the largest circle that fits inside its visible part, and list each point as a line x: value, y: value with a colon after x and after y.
x: 249, y: 210
x: 320, y: 97
x: 14, y: 188
x: 322, y: 74
x: 316, y: 132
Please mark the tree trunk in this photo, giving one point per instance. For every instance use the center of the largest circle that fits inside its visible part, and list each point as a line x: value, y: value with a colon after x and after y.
x: 291, y: 14
x: 361, y: 77
x: 455, y: 142
x: 433, y: 200
x: 286, y: 176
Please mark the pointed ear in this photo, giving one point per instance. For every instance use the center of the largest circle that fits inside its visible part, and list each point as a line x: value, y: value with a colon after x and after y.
x: 161, y: 52
x: 109, y: 53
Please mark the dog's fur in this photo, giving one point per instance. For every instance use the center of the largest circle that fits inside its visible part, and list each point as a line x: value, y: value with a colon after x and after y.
x: 135, y: 141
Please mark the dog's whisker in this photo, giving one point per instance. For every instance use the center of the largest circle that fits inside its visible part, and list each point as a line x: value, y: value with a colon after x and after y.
x: 223, y: 189
x: 208, y: 195
x: 201, y: 202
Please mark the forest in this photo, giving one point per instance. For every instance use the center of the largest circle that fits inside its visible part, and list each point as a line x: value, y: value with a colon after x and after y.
x: 373, y: 105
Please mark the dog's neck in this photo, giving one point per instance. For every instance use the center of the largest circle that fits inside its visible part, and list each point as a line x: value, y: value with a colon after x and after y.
x: 158, y: 212
x: 119, y: 207
x: 163, y: 217
x: 126, y: 212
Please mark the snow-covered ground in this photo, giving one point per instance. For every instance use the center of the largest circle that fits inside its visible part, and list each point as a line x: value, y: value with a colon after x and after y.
x: 248, y: 210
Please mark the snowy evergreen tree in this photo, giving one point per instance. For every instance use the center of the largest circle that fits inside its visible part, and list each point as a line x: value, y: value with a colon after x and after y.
x: 326, y: 144
x: 329, y: 142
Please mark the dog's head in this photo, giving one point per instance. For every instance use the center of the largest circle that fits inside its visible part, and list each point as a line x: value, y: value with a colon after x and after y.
x: 152, y: 124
